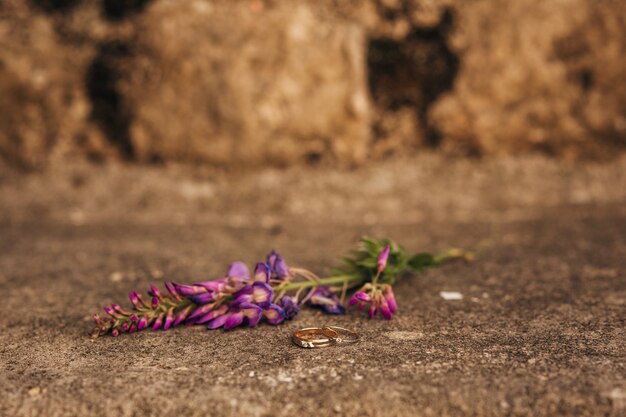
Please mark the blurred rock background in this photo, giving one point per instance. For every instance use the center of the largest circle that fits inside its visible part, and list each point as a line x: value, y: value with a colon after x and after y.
x: 262, y: 82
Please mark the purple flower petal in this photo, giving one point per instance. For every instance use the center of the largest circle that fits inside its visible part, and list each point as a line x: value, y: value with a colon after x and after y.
x: 327, y: 300
x: 271, y: 259
x: 362, y: 296
x: 201, y: 311
x: 238, y: 270
x: 233, y: 320
x: 262, y: 272
x: 252, y: 313
x: 182, y: 315
x: 353, y: 300
x: 158, y: 322
x: 141, y: 300
x: 262, y: 294
x: 154, y: 291
x: 274, y: 314
x: 290, y: 307
x: 245, y: 290
x: 216, y: 285
x: 133, y: 299
x: 207, y: 297
x: 218, y: 322
x: 172, y: 290
x: 212, y: 314
x: 372, y: 310
x: 359, y: 296
x: 120, y: 310
x: 111, y: 312
x: 277, y: 264
x: 169, y: 319
x: 189, y: 290
x: 384, y: 309
x: 143, y: 323
x: 382, y: 258
x: 391, y: 299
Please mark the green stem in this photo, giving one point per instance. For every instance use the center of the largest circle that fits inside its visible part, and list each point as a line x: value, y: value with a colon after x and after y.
x: 450, y: 254
x: 351, y: 280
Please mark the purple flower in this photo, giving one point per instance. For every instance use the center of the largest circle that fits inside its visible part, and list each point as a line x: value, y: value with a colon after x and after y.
x: 120, y: 310
x: 209, y: 315
x: 380, y: 300
x: 169, y: 319
x: 262, y: 272
x: 158, y: 322
x: 134, y: 299
x: 258, y: 293
x: 182, y: 315
x: 274, y: 314
x: 278, y: 266
x: 238, y: 270
x: 201, y: 311
x: 360, y: 297
x: 172, y: 290
x: 236, y: 316
x: 384, y: 309
x: 290, y: 306
x: 154, y: 291
x: 382, y: 259
x: 215, y: 285
x: 189, y: 290
x: 391, y: 299
x: 204, y: 298
x: 327, y: 300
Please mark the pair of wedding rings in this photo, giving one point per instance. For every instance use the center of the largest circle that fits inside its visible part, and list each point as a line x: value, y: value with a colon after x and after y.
x: 319, y: 337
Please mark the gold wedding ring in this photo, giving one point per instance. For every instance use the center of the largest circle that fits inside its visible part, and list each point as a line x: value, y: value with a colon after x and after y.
x: 312, y: 337
x: 318, y: 337
x: 342, y: 335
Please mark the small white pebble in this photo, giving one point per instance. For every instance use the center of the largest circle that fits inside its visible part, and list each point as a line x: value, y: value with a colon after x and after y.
x: 77, y: 217
x: 251, y: 374
x: 35, y: 391
x: 282, y: 377
x: 617, y: 394
x: 357, y: 377
x: 451, y: 295
x: 116, y: 276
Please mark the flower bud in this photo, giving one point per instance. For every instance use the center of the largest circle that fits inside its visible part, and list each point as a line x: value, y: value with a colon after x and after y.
x: 382, y: 259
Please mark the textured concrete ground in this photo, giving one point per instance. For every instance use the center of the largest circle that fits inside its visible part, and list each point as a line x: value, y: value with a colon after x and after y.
x: 540, y: 330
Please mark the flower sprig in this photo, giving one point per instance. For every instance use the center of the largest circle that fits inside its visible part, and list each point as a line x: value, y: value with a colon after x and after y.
x: 274, y: 292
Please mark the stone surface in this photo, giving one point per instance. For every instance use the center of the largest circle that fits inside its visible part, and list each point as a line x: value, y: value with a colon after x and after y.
x: 40, y: 103
x: 540, y: 329
x: 260, y: 82
x: 276, y: 86
x: 537, y: 77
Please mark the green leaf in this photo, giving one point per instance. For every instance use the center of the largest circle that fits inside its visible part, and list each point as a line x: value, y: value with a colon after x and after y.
x: 422, y: 261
